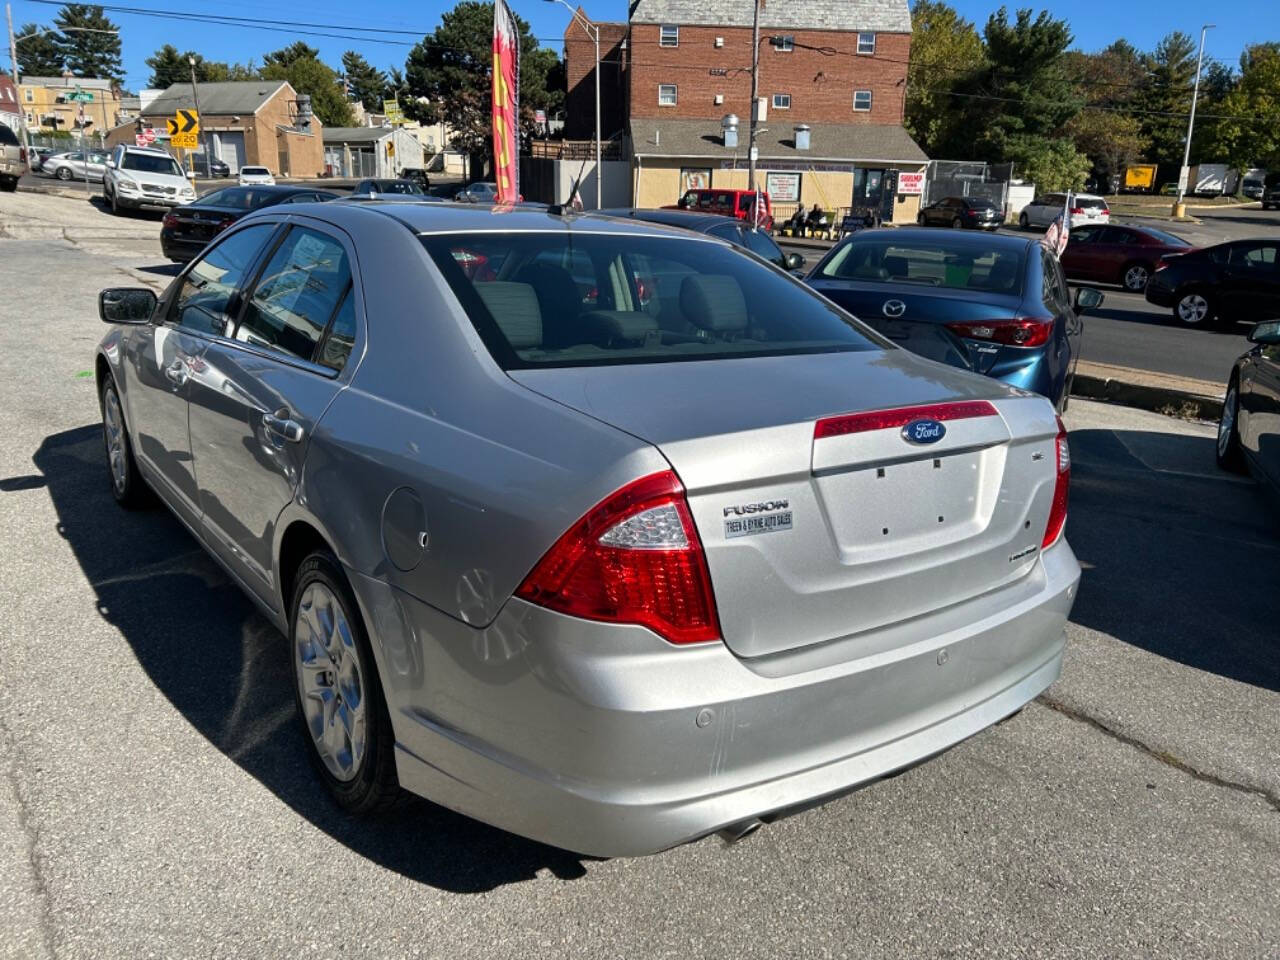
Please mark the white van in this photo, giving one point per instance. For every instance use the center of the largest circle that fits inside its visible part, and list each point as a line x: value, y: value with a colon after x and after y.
x: 144, y: 176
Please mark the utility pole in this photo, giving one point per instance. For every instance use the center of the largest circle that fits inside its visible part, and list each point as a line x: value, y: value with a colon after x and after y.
x: 755, y: 94
x: 13, y: 61
x: 195, y: 96
x: 1191, y: 124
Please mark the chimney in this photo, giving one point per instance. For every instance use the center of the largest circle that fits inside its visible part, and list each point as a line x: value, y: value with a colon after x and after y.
x: 802, y: 136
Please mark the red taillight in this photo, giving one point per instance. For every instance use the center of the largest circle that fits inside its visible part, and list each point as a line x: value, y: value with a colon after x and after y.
x: 1077, y: 211
x: 22, y: 154
x: 169, y: 220
x: 226, y: 222
x: 899, y: 417
x: 635, y: 557
x: 1058, y: 511
x: 1022, y: 332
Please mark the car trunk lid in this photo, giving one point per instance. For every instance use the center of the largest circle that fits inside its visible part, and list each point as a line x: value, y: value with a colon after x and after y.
x: 812, y: 534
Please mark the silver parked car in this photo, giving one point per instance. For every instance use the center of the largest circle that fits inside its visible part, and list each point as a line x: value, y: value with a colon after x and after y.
x: 75, y: 166
x: 603, y: 532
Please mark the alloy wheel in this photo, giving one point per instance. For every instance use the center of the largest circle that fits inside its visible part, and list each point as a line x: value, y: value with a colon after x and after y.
x: 330, y: 680
x: 1193, y: 308
x: 1227, y: 425
x: 1135, y: 278
x: 113, y: 434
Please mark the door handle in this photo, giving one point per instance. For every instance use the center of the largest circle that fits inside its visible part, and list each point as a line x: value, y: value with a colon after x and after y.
x: 176, y: 373
x: 283, y: 427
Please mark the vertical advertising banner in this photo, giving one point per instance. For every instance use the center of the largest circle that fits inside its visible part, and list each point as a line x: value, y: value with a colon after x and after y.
x: 506, y: 103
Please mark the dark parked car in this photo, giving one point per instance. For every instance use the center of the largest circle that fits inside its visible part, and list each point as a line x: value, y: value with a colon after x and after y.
x: 417, y: 175
x: 186, y: 230
x: 995, y: 305
x: 1124, y: 255
x: 397, y: 188
x: 975, y: 212
x: 1271, y: 191
x: 736, y: 232
x: 1249, y: 432
x: 210, y: 168
x: 1232, y: 281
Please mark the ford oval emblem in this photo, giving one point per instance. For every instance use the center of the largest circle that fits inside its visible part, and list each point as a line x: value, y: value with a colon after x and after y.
x: 924, y: 431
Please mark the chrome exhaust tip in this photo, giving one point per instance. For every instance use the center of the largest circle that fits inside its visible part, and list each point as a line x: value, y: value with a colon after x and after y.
x: 736, y: 831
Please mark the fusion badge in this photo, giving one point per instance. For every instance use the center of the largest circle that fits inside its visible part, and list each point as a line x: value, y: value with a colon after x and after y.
x: 923, y: 431
x: 747, y: 519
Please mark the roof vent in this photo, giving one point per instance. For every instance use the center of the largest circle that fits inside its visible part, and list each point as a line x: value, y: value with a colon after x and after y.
x: 802, y: 136
x: 729, y: 124
x: 304, y: 111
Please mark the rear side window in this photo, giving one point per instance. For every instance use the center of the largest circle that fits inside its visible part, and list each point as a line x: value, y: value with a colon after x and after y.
x: 209, y: 285
x: 7, y: 137
x: 299, y: 291
x: 341, y: 336
x: 651, y: 300
x: 1055, y: 296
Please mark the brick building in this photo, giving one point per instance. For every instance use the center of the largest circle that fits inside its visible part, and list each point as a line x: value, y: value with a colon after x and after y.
x: 580, y: 67
x: 835, y: 69
x: 255, y: 122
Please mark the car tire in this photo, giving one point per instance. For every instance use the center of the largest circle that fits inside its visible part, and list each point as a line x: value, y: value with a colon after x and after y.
x: 127, y: 485
x: 351, y: 748
x: 921, y: 220
x: 1134, y: 276
x: 1024, y: 221
x: 1229, y: 455
x: 63, y: 173
x: 1193, y: 308
x: 8, y: 184
x: 957, y: 224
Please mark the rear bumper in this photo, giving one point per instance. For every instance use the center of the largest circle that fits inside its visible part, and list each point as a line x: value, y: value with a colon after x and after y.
x: 607, y: 741
x: 180, y: 251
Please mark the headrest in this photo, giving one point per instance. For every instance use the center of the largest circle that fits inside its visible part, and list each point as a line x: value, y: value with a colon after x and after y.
x: 515, y: 308
x: 713, y: 302
x: 896, y: 266
x: 611, y: 326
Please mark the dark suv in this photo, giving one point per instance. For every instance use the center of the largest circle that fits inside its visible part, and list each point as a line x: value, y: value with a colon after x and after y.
x: 1271, y: 192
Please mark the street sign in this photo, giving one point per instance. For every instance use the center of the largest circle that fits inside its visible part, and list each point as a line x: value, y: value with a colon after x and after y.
x: 141, y: 141
x: 184, y: 141
x: 395, y: 116
x: 83, y: 96
x: 187, y: 121
x: 149, y: 135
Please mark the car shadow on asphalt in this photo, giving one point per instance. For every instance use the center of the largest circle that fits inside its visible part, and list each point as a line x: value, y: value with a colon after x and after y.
x: 1178, y: 560
x: 225, y: 668
x: 1163, y: 319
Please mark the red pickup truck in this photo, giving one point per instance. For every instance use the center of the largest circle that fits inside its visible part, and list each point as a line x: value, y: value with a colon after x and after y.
x: 729, y: 203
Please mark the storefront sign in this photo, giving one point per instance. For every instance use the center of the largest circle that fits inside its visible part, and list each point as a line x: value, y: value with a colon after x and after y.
x: 911, y: 183
x: 783, y: 187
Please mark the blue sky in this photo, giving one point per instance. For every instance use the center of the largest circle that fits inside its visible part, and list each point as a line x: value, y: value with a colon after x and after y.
x: 1095, y: 24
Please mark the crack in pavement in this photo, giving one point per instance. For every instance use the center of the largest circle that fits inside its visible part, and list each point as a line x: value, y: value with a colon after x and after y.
x: 30, y: 838
x: 1161, y: 756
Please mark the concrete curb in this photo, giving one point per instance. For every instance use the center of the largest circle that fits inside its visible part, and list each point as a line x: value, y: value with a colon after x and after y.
x: 1192, y: 399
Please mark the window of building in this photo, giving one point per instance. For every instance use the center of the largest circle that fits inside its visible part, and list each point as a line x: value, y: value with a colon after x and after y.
x: 670, y: 36
x: 666, y: 94
x: 31, y: 97
x: 866, y: 44
x: 862, y: 99
x: 784, y: 44
x: 782, y: 101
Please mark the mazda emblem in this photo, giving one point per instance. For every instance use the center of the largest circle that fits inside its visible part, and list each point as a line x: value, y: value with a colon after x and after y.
x: 894, y: 308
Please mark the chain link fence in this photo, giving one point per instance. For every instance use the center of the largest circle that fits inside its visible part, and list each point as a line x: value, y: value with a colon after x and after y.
x: 963, y: 178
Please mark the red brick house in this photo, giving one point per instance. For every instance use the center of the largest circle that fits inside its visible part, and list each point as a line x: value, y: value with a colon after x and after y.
x: 836, y: 69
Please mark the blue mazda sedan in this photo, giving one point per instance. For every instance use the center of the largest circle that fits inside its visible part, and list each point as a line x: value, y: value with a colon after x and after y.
x: 995, y: 305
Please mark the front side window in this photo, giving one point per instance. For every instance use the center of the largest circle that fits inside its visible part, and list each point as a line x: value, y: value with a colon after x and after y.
x: 862, y: 100
x: 666, y: 94
x: 151, y: 163
x: 866, y: 43
x: 670, y: 36
x: 762, y: 245
x: 1254, y: 256
x: 299, y: 291
x: 652, y: 300
x: 782, y: 101
x: 201, y: 305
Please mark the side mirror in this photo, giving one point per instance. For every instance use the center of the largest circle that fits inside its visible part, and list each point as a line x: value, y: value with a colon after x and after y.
x: 1267, y: 332
x: 794, y: 261
x: 1087, y: 298
x: 111, y: 162
x: 126, y: 305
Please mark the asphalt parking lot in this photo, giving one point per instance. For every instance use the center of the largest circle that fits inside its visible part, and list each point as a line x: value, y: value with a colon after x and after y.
x: 157, y: 802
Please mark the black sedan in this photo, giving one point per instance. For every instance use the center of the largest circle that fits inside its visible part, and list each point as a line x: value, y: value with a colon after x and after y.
x: 1249, y: 432
x: 737, y: 232
x: 210, y: 168
x: 976, y: 213
x: 1229, y: 282
x: 996, y: 305
x: 374, y: 188
x: 186, y: 230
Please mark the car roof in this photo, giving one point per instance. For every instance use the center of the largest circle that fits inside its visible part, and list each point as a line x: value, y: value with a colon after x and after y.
x: 687, y: 219
x: 988, y: 241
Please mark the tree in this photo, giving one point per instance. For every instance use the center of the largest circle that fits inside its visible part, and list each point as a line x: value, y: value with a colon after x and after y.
x: 216, y: 71
x: 945, y: 49
x: 1251, y: 137
x: 1105, y: 130
x: 1165, y: 99
x: 446, y: 77
x: 1051, y: 164
x: 92, y: 49
x: 302, y: 67
x: 365, y: 83
x: 1111, y: 140
x: 38, y: 52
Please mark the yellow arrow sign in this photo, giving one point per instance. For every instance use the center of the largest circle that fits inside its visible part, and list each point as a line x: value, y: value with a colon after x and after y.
x: 187, y: 121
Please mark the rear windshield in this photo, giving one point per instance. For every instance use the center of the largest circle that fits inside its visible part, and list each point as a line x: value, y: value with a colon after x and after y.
x: 406, y: 187
x: 238, y: 198
x: 953, y: 263
x: 1090, y: 203
x: 582, y: 299
x: 150, y: 163
x: 254, y: 171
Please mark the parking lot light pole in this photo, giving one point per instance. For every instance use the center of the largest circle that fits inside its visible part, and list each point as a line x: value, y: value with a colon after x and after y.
x: 1191, y: 122
x: 592, y: 30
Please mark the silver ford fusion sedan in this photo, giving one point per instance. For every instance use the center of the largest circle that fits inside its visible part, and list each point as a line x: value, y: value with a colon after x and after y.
x: 598, y: 531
